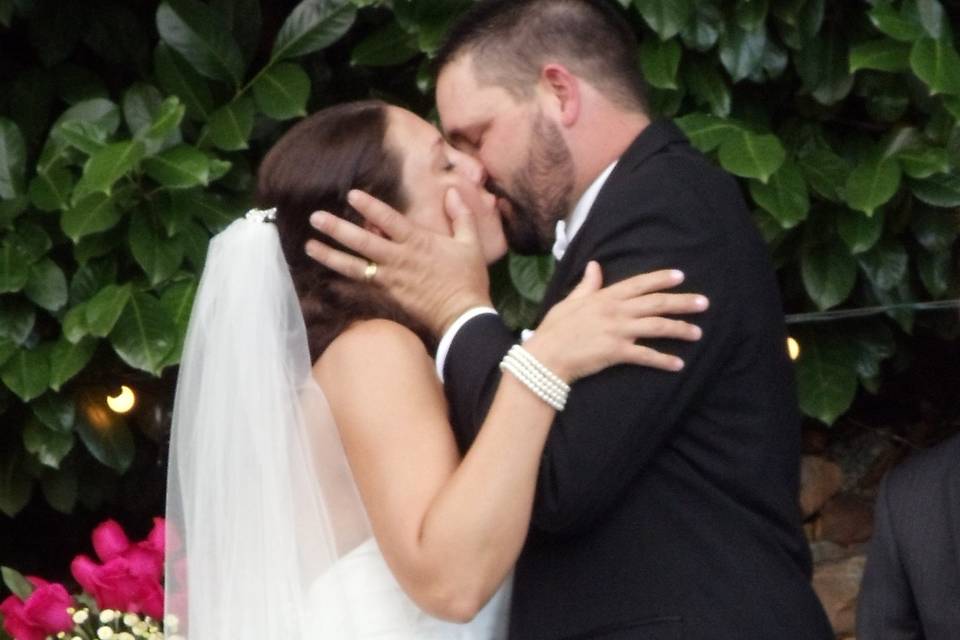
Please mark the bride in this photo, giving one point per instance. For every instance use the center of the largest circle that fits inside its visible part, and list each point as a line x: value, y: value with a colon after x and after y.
x: 315, y: 488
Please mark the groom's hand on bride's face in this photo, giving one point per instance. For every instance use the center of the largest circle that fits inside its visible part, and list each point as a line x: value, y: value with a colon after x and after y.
x: 434, y: 277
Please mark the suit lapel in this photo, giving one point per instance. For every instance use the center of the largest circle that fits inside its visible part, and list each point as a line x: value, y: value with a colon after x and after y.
x: 655, y: 137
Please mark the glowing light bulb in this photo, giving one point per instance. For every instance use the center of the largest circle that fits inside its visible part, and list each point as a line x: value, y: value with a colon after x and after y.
x: 793, y: 348
x: 123, y: 402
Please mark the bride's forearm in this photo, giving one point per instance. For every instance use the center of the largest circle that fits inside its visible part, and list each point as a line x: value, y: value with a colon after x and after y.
x: 474, y: 529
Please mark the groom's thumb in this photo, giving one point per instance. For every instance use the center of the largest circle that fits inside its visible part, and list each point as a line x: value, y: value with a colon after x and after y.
x: 461, y: 217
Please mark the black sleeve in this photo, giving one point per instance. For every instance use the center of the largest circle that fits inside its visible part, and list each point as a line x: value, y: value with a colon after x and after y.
x: 886, y: 607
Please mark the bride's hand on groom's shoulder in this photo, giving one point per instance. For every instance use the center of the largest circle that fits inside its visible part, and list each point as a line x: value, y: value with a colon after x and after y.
x: 596, y: 327
x: 433, y: 277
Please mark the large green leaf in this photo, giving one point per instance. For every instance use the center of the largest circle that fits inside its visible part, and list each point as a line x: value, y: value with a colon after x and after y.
x: 16, y: 486
x: 785, y: 195
x: 141, y: 102
x: 282, y: 92
x: 937, y: 63
x: 751, y: 155
x: 882, y: 55
x: 826, y: 377
x: 101, y: 113
x: 935, y: 229
x: 706, y: 84
x: 27, y: 373
x: 199, y: 34
x: 872, y: 183
x: 829, y: 273
x: 74, y: 324
x: 94, y: 213
x: 106, y: 437
x: 61, y: 488
x: 12, y: 159
x: 49, y: 447
x: 144, y: 335
x: 750, y: 14
x: 179, y: 78
x: 214, y: 211
x: 530, y: 275
x: 33, y: 239
x: 937, y: 271
x: 104, y: 309
x: 886, y: 264
x: 941, y: 190
x: 858, y: 231
x: 7, y: 348
x: 660, y: 61
x: 703, y: 30
x: 920, y: 160
x: 177, y: 301
x: 164, y: 127
x: 195, y: 240
x: 68, y: 359
x: 91, y: 277
x: 88, y: 137
x: 666, y: 17
x: 706, y: 132
x: 47, y: 286
x: 158, y: 256
x: 231, y: 125
x: 823, y: 65
x: 390, y: 45
x: 933, y: 18
x: 17, y: 318
x: 107, y: 166
x: 894, y: 23
x: 55, y: 412
x: 741, y: 52
x: 181, y: 167
x: 826, y: 172
x: 311, y: 26
x: 14, y: 266
x: 244, y: 20
x: 50, y: 190
x: 14, y: 580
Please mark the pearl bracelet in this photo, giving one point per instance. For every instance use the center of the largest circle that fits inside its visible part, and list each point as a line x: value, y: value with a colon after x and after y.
x: 545, y: 384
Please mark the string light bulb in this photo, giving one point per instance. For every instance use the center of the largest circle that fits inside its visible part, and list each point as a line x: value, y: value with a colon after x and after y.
x: 793, y: 348
x: 122, y: 402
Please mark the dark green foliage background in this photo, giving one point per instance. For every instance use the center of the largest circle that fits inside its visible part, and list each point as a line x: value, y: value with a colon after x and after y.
x: 130, y: 132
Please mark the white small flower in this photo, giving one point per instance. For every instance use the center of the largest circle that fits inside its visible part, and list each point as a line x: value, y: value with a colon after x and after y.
x: 130, y: 619
x: 141, y: 628
x: 107, y: 616
x: 81, y: 616
x: 104, y: 633
x: 124, y: 636
x: 171, y: 622
x: 76, y: 638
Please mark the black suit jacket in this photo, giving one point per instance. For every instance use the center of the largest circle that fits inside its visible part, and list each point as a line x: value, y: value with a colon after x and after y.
x: 666, y: 505
x: 911, y: 584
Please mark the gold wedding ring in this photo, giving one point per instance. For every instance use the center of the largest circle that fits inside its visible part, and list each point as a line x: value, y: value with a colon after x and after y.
x: 370, y: 271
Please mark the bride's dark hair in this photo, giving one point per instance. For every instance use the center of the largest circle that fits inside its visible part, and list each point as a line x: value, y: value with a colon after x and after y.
x: 313, y: 167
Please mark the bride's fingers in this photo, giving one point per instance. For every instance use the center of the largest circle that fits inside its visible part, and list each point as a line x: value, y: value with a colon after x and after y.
x: 664, y: 304
x: 662, y: 328
x: 647, y: 357
x: 591, y: 281
x: 645, y: 283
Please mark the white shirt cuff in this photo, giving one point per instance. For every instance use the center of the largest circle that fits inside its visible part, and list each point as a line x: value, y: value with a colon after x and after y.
x: 444, y: 347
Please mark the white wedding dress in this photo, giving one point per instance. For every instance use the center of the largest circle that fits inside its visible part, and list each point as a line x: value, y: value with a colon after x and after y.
x: 266, y: 535
x: 360, y: 598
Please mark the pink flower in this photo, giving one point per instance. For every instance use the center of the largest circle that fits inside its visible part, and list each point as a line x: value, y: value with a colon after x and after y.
x: 44, y: 613
x: 130, y: 575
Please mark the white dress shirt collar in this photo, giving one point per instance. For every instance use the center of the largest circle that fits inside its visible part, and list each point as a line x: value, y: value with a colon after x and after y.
x: 568, y: 228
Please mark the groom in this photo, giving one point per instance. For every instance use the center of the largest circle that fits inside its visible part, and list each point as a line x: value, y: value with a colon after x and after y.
x: 667, y: 503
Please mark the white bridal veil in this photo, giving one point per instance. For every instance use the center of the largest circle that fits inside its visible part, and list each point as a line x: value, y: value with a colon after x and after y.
x: 260, y: 500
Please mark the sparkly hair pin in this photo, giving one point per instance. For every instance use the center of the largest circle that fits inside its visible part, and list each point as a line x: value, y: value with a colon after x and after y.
x: 262, y: 215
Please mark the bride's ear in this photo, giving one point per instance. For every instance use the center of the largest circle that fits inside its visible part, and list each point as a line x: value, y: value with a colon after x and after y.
x: 374, y: 229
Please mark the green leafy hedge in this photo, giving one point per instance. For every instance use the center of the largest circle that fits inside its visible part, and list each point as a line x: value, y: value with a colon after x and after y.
x: 129, y: 134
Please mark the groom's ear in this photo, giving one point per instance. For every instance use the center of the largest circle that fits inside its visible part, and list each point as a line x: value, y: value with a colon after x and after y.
x: 562, y: 92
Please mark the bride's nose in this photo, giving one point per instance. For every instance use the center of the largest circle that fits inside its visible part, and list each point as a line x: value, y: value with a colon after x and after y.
x: 471, y: 169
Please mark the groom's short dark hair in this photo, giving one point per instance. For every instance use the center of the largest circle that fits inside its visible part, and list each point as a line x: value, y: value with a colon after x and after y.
x: 511, y: 40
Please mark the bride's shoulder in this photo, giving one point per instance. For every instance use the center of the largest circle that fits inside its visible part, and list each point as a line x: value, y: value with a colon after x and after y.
x: 375, y: 343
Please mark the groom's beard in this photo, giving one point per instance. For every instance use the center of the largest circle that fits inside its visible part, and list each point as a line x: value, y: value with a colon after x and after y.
x: 541, y: 192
